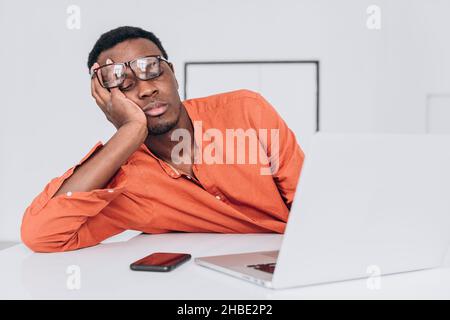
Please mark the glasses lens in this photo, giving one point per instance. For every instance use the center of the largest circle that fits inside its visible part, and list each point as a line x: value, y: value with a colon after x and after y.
x: 146, y: 68
x: 112, y: 75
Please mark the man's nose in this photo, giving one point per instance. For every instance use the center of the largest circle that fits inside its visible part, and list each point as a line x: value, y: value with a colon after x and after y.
x: 146, y: 89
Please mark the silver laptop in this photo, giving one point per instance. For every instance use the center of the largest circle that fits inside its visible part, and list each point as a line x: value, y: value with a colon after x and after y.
x: 364, y: 202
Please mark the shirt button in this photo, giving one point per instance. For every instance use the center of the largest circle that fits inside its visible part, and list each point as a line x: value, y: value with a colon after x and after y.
x: 69, y: 193
x: 218, y: 198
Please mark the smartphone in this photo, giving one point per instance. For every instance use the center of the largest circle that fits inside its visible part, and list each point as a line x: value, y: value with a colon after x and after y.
x: 160, y: 262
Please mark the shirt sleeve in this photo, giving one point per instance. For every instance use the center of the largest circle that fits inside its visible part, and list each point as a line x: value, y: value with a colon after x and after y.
x: 73, y: 220
x: 285, y: 154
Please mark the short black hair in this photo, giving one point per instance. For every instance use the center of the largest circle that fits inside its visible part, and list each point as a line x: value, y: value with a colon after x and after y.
x: 112, y: 37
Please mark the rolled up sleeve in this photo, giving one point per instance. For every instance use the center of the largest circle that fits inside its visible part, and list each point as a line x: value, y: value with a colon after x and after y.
x: 61, y: 223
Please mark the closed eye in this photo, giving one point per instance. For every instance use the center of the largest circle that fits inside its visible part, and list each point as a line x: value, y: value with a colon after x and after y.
x: 126, y: 88
x: 127, y: 85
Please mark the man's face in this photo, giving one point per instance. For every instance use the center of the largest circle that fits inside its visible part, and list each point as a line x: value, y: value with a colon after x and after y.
x: 163, y: 88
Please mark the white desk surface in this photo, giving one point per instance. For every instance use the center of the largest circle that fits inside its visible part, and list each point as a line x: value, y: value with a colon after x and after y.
x: 105, y: 273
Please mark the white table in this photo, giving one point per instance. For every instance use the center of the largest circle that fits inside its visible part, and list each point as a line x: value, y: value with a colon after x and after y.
x: 105, y: 274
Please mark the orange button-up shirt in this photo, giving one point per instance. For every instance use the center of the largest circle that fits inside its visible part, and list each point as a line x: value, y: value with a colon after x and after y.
x: 149, y: 195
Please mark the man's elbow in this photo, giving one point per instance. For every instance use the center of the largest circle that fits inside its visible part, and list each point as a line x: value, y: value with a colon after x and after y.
x: 40, y: 243
x: 34, y: 243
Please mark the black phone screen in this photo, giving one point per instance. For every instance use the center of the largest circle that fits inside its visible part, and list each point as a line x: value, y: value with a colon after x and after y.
x: 160, y: 261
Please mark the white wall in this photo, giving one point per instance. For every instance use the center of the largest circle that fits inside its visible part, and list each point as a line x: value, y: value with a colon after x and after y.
x: 370, y: 80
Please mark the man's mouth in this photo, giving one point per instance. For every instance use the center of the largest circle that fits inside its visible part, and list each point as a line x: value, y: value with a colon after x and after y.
x: 155, y: 108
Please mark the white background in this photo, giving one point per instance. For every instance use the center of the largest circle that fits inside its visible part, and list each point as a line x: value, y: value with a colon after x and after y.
x: 370, y: 80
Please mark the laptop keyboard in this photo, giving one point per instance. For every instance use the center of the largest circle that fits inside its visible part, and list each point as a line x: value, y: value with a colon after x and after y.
x: 266, y: 267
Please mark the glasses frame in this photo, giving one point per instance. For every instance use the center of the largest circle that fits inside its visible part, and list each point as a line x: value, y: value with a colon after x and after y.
x: 128, y: 64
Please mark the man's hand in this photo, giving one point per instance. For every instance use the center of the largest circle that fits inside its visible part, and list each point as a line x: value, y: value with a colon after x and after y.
x: 118, y: 109
x: 131, y: 124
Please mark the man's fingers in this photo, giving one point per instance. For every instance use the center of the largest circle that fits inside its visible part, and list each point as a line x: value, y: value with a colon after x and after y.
x: 115, y: 92
x: 98, y: 100
x: 99, y: 93
x: 94, y: 81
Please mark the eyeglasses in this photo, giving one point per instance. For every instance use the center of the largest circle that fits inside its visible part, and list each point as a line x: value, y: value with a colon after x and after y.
x: 114, y: 75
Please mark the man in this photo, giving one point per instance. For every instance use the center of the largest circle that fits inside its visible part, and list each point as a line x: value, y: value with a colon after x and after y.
x: 142, y: 180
